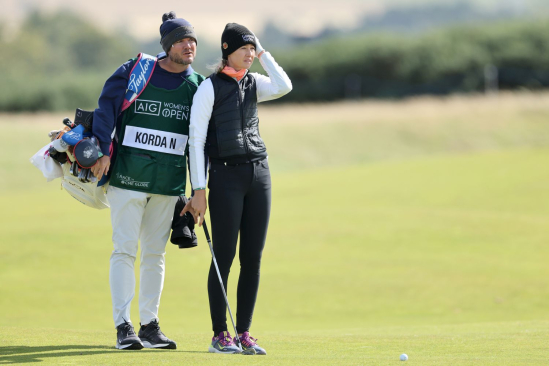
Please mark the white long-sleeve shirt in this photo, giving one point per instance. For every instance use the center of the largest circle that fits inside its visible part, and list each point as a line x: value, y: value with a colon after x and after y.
x: 272, y: 87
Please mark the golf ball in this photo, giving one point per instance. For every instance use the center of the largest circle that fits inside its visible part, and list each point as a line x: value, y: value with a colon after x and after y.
x: 403, y: 357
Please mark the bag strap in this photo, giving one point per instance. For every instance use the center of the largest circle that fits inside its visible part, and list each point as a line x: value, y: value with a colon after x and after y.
x: 140, y: 75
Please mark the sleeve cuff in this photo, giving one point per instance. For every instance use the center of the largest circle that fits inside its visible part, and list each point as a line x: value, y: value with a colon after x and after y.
x: 105, y: 148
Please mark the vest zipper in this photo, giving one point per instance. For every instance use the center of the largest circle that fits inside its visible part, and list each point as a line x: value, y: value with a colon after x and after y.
x: 242, y: 118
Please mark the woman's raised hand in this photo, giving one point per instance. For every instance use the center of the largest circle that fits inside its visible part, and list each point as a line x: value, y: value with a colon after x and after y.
x: 258, y: 48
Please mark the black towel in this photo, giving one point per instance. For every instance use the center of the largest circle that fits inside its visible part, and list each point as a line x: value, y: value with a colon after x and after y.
x: 183, y: 226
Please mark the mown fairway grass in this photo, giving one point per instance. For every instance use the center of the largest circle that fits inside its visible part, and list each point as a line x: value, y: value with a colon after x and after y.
x: 440, y: 254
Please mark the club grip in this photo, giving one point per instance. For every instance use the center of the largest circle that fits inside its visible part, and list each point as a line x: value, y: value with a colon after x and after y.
x: 206, y: 232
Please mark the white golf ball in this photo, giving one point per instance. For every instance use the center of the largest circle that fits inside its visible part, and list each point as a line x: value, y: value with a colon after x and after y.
x: 404, y: 357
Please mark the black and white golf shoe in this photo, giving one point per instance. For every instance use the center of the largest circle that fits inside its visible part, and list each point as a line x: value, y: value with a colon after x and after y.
x: 126, y: 338
x: 152, y: 337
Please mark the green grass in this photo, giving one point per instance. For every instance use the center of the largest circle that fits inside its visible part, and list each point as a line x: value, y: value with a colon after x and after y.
x: 442, y: 257
x: 507, y: 343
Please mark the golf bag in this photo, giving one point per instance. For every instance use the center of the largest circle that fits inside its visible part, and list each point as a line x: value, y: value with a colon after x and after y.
x: 70, y: 155
x: 89, y: 193
x: 74, y: 150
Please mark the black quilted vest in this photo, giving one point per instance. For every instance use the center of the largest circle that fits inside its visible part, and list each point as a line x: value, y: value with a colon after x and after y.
x: 233, y: 133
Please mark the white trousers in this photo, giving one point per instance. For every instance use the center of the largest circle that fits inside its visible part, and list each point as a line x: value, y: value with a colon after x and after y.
x: 138, y: 216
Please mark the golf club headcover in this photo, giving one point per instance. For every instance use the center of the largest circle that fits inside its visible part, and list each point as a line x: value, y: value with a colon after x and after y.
x: 74, y: 136
x: 86, y: 153
x: 60, y: 145
x: 60, y: 157
x: 183, y: 233
x: 84, y: 118
x: 57, y: 134
x: 68, y: 123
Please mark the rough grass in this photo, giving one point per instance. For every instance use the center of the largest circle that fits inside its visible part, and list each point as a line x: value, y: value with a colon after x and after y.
x: 440, y: 256
x: 316, y: 135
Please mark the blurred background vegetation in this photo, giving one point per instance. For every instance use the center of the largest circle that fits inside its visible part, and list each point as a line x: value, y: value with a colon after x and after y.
x: 438, y: 245
x: 60, y: 60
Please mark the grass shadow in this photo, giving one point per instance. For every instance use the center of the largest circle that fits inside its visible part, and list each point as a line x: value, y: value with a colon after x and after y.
x: 28, y: 354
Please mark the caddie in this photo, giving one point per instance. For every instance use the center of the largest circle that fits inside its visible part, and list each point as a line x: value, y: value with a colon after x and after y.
x: 146, y: 102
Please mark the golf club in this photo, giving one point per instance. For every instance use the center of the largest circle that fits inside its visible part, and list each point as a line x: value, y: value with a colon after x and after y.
x: 249, y: 351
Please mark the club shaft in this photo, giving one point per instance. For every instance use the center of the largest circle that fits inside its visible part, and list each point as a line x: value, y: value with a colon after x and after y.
x: 221, y: 282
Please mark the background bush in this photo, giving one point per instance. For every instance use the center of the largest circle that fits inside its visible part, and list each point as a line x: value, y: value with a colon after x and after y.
x: 60, y: 62
x: 441, y: 62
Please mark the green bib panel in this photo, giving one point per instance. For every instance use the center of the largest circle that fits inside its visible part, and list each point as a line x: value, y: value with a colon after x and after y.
x: 152, y: 144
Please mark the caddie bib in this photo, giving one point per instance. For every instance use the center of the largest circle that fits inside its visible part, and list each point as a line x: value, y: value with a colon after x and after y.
x: 153, y: 141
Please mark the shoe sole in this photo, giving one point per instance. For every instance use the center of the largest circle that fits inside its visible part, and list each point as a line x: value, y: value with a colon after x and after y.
x: 131, y: 346
x: 215, y: 350
x: 147, y: 344
x: 249, y: 352
x: 253, y: 351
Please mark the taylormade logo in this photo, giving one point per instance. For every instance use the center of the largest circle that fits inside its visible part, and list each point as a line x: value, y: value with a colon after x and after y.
x: 248, y: 38
x: 138, y: 79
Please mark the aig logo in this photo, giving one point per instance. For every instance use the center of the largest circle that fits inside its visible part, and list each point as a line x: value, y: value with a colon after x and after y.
x: 150, y: 107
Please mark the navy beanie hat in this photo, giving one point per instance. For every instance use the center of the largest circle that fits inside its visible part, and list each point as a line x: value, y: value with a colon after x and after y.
x: 235, y: 36
x: 173, y: 29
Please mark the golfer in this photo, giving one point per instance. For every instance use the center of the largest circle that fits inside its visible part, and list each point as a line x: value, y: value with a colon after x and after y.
x: 148, y: 175
x: 224, y: 126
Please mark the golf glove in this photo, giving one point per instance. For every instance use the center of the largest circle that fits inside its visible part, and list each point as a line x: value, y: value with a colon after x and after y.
x: 258, y: 47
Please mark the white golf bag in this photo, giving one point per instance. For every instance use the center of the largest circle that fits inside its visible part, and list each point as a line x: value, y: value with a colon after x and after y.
x: 87, y: 193
x: 70, y: 156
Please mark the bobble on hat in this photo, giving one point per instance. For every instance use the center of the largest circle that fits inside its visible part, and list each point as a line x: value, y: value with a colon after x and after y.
x: 235, y: 36
x: 166, y: 16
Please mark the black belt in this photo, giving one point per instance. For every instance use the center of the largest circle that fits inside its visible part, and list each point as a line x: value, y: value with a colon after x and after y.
x: 235, y: 163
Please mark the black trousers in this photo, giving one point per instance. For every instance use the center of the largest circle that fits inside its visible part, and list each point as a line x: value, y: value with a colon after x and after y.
x: 239, y: 203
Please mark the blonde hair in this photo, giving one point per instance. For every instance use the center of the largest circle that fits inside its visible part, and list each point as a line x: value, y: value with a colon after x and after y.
x: 219, y: 66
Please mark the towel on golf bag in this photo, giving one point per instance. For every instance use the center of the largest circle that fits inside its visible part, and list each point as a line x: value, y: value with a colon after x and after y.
x: 49, y: 167
x: 183, y: 226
